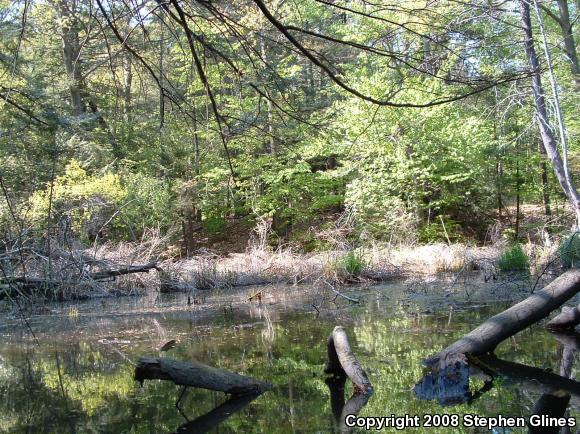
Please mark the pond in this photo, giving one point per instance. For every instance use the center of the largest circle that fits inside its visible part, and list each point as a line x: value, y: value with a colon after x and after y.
x: 74, y: 373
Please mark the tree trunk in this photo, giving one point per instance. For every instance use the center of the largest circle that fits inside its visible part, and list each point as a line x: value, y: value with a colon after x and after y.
x: 486, y: 337
x: 545, y: 186
x: 566, y: 320
x: 569, y: 42
x: 567, y: 362
x: 342, y: 362
x: 518, y: 195
x: 546, y: 130
x: 70, y: 52
x: 127, y: 83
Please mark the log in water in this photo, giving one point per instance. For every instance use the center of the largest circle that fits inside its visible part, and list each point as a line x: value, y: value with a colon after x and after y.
x: 195, y: 374
x: 486, y: 337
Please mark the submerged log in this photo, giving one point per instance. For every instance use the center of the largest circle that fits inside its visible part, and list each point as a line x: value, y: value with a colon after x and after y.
x: 340, y: 408
x: 195, y: 374
x: 486, y: 337
x: 342, y: 361
x: 566, y: 320
x: 449, y: 385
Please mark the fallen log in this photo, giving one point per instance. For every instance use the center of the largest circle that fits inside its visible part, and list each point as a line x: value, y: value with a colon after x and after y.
x: 566, y: 320
x: 342, y: 362
x: 486, y: 337
x: 125, y: 270
x: 42, y: 283
x: 195, y: 374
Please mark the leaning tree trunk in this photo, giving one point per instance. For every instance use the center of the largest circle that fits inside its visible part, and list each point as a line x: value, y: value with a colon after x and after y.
x: 569, y: 41
x: 491, y: 333
x: 546, y: 129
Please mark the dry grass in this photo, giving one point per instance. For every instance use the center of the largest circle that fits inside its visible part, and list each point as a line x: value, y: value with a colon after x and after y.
x: 72, y: 265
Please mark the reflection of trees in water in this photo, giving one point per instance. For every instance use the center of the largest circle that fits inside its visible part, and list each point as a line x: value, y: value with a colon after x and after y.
x: 450, y: 383
x: 100, y: 391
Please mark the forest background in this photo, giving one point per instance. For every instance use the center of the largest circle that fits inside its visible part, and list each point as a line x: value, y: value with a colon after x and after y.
x: 306, y: 125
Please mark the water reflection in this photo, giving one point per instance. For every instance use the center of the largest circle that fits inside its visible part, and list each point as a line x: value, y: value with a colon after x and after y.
x: 76, y: 382
x: 212, y: 419
x: 340, y: 408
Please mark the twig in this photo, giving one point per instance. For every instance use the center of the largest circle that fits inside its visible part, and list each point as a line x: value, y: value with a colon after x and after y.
x: 340, y: 294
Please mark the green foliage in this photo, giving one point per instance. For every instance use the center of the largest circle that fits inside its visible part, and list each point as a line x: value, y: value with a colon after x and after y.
x: 513, y: 259
x: 314, y: 149
x: 437, y: 232
x: 149, y: 203
x: 214, y: 225
x: 569, y: 251
x: 91, y: 205
x: 352, y: 263
x: 78, y: 201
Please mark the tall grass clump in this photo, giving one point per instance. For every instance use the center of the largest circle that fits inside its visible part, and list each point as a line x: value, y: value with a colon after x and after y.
x: 513, y: 259
x: 569, y: 251
x: 352, y: 264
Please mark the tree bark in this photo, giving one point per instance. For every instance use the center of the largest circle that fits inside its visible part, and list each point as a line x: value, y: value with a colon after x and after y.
x: 569, y: 42
x: 567, y: 319
x: 546, y: 130
x: 486, y: 337
x: 342, y: 362
x: 195, y: 374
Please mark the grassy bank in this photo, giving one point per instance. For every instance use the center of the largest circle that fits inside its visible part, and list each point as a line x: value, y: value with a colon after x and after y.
x: 208, y: 270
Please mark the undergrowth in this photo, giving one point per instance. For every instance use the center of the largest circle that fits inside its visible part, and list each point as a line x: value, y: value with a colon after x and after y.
x: 569, y: 251
x: 513, y: 259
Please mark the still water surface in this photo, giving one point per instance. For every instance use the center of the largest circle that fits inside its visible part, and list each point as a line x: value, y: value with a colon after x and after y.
x: 76, y: 373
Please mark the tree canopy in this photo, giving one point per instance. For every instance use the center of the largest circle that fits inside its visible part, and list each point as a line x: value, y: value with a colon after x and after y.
x: 399, y: 115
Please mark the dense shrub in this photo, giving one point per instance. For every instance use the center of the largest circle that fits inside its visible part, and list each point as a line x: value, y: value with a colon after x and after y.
x: 352, y: 264
x: 436, y: 232
x: 513, y: 259
x: 214, y: 225
x: 103, y: 205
